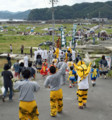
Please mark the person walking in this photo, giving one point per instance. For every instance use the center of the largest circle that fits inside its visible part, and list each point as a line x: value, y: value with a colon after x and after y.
x: 9, y: 60
x: 53, y: 82
x: 27, y: 106
x: 31, y: 52
x: 7, y: 77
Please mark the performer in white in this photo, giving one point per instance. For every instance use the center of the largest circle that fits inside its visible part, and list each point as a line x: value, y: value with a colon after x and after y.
x: 73, y: 55
x: 26, y: 61
x: 40, y: 51
x: 51, y: 56
x: 45, y: 54
x: 35, y: 54
x: 42, y: 54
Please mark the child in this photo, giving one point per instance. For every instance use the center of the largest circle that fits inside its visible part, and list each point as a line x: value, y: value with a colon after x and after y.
x: 32, y: 70
x: 27, y: 106
x: 16, y: 69
x: 83, y: 85
x: 44, y: 70
x: 53, y: 82
x: 72, y: 77
x: 94, y: 75
x: 55, y: 60
x: 69, y: 63
x: 7, y: 76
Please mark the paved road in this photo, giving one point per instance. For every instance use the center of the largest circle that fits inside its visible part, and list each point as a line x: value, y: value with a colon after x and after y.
x: 99, y: 106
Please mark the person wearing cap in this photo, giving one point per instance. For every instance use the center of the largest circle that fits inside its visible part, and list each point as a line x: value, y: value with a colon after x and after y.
x: 83, y: 85
x: 7, y: 77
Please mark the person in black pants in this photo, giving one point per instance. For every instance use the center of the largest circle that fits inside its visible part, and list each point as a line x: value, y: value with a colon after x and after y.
x: 7, y: 77
x: 22, y: 49
x: 31, y: 52
x: 9, y: 60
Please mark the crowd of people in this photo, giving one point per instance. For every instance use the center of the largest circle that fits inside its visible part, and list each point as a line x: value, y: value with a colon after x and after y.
x: 58, y: 66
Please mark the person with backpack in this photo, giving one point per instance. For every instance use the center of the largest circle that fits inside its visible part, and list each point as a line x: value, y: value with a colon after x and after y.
x: 103, y: 67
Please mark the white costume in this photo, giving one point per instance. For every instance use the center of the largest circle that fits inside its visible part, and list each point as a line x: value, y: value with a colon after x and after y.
x: 42, y: 53
x: 45, y: 55
x: 26, y: 61
x: 51, y: 56
x: 83, y: 84
x: 35, y: 55
x: 73, y: 55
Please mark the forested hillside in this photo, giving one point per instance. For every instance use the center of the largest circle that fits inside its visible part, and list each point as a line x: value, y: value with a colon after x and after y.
x: 82, y: 10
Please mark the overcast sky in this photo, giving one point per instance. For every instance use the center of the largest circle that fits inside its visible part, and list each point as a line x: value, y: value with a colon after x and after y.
x: 22, y: 5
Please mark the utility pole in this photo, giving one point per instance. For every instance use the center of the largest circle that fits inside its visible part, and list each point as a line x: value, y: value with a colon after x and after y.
x: 53, y: 20
x: 99, y: 18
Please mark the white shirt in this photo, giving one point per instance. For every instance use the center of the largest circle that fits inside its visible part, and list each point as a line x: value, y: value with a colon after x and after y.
x: 26, y: 61
x: 11, y: 47
x: 73, y: 55
x: 84, y: 84
x: 45, y: 54
x: 35, y: 55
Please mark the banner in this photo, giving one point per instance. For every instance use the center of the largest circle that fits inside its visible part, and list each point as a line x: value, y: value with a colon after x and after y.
x: 73, y: 33
x: 63, y: 39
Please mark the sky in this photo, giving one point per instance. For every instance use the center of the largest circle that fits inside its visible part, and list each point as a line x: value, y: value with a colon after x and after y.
x: 22, y: 5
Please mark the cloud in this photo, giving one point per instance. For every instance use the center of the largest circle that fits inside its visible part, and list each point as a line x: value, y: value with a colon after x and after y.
x: 22, y: 5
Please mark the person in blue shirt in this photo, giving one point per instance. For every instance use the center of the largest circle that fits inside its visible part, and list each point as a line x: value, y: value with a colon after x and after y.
x: 103, y: 66
x: 16, y: 69
x: 94, y: 75
x: 72, y: 77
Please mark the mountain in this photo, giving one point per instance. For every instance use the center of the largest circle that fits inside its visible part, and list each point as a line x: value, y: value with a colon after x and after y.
x: 14, y: 15
x: 82, y: 10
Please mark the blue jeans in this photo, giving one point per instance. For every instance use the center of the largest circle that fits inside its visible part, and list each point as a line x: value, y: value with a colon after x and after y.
x: 10, y: 94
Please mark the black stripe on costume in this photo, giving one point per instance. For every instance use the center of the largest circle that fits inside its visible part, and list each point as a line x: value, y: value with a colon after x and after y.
x: 83, y: 89
x: 80, y: 95
x: 85, y: 94
x: 60, y: 99
x: 80, y: 101
x: 53, y: 100
x: 53, y: 107
x: 32, y: 113
x: 60, y: 105
x: 84, y: 98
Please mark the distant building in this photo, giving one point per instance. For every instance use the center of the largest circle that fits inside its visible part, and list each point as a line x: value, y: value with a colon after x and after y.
x: 99, y: 20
